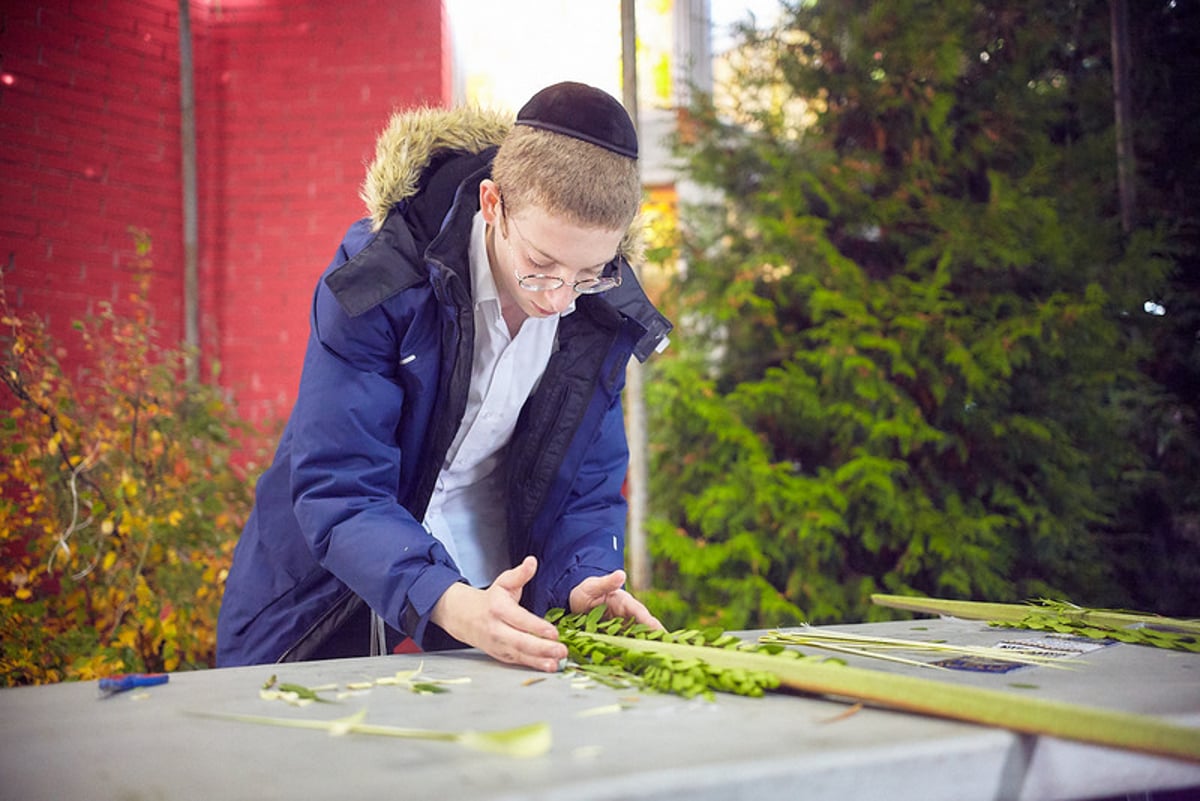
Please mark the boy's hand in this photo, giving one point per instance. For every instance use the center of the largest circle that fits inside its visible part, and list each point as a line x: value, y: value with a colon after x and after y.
x: 591, y: 592
x: 494, y: 621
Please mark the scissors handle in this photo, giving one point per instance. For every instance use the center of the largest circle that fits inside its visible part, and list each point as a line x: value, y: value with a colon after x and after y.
x: 127, y: 681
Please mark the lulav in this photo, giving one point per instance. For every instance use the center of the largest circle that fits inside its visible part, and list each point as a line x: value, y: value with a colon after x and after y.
x: 610, y: 662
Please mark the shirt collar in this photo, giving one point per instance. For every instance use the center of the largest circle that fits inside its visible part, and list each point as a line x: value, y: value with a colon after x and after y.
x: 483, y: 285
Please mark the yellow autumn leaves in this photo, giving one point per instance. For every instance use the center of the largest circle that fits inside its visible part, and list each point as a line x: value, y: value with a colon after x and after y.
x: 122, y: 492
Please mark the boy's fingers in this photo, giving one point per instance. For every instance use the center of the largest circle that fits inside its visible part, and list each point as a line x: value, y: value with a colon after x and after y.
x: 526, y: 623
x: 514, y: 579
x: 595, y: 590
x: 523, y: 638
x: 537, y: 652
x: 610, y: 583
x: 628, y: 606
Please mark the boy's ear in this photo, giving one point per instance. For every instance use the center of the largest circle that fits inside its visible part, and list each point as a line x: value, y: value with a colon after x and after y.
x: 489, y: 201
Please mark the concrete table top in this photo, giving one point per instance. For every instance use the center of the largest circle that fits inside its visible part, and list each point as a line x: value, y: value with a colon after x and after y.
x: 66, y: 742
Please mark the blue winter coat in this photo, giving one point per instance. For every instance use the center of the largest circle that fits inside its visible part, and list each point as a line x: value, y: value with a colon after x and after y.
x: 336, y: 520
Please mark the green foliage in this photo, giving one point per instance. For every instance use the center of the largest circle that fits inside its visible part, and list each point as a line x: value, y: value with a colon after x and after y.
x: 907, y: 362
x: 611, y: 662
x: 1147, y: 635
x: 120, y: 500
x: 1159, y: 531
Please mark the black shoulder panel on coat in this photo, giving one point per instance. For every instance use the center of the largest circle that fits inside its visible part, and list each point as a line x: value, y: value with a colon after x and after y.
x: 386, y: 266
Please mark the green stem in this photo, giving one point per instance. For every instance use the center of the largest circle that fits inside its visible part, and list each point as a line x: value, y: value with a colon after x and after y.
x: 1015, y: 613
x: 522, y: 741
x: 990, y: 707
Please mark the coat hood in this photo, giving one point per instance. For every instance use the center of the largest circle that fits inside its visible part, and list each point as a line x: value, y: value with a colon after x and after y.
x: 412, y: 139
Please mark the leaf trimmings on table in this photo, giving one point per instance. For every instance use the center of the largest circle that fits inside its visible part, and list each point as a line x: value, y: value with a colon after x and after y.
x: 521, y: 741
x: 299, y: 695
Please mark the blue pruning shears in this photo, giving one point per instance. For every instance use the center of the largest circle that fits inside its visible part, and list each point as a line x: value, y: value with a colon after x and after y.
x: 128, y: 681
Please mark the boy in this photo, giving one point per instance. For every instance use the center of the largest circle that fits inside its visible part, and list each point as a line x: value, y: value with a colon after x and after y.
x: 453, y: 464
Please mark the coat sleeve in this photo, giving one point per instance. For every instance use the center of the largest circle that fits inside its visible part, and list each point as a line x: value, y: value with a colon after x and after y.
x: 346, y: 465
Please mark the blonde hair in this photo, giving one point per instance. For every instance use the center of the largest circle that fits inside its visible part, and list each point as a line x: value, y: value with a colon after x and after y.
x: 567, y: 177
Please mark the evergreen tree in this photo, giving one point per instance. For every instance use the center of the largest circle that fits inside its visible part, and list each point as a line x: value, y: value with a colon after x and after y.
x: 1159, y: 530
x: 910, y: 343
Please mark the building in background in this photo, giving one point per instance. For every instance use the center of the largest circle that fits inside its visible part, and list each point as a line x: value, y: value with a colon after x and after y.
x: 289, y: 97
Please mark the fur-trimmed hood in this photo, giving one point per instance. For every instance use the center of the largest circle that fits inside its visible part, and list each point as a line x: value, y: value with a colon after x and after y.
x: 412, y: 138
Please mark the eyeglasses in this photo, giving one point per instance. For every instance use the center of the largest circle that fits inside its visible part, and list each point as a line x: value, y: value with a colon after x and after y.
x: 544, y: 282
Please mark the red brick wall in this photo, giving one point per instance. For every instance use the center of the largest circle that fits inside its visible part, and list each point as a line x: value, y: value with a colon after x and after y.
x: 289, y: 97
x: 294, y: 97
x: 89, y: 144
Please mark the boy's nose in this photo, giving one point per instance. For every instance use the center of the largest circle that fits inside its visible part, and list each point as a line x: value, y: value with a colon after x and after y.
x: 561, y: 298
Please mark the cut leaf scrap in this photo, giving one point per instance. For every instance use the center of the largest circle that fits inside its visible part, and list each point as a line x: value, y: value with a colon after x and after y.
x: 426, y: 686
x: 849, y: 712
x: 302, y: 692
x: 607, y: 709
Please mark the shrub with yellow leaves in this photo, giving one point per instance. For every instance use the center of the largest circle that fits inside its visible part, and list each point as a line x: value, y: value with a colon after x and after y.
x: 122, y: 492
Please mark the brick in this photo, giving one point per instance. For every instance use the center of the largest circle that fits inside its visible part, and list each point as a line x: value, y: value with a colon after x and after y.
x: 150, y: 148
x: 102, y: 15
x: 142, y: 43
x: 22, y: 45
x: 54, y: 20
x: 58, y: 160
x: 45, y: 108
x: 160, y: 13
x: 148, y: 87
x: 34, y: 78
x: 66, y: 255
x: 144, y: 177
x: 14, y: 115
x: 19, y: 15
x: 101, y: 126
x: 142, y: 208
x: 164, y: 25
x: 151, y: 212
x: 17, y: 196
x: 16, y: 226
x: 153, y: 116
x: 23, y: 175
x: 62, y: 53
x: 118, y: 64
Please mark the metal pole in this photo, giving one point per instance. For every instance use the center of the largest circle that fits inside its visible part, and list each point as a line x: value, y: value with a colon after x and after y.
x: 635, y: 408
x: 187, y: 125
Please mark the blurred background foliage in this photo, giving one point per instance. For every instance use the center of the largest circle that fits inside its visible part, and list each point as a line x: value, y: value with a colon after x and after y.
x: 123, y: 487
x: 918, y: 353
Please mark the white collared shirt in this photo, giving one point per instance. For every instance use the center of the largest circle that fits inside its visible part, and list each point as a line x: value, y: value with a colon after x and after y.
x: 467, y: 512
